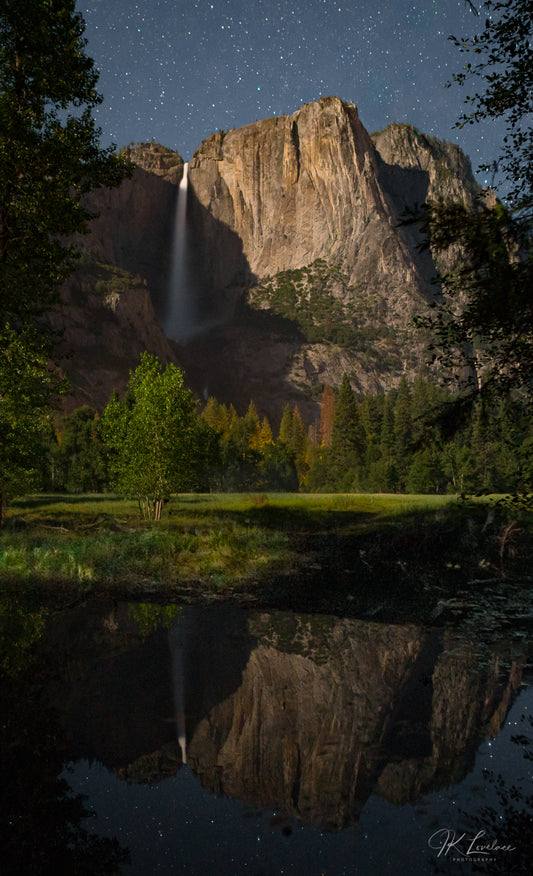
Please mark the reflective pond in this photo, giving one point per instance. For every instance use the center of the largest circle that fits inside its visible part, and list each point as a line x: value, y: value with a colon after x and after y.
x: 143, y: 739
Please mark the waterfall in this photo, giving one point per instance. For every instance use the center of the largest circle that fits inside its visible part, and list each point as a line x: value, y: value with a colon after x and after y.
x: 179, y: 321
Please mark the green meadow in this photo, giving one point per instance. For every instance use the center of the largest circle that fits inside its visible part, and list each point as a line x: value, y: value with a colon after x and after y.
x: 217, y: 545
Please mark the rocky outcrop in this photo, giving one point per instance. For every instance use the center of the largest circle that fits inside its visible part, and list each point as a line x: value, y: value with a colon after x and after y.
x: 442, y: 169
x: 328, y: 711
x: 303, y: 187
x: 295, y: 249
x: 107, y: 320
x: 133, y: 226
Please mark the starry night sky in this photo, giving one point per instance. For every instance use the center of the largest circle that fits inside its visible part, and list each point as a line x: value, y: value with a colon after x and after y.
x: 177, y: 70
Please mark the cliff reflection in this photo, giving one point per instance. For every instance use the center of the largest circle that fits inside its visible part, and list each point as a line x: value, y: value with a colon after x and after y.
x: 312, y: 714
x: 304, y: 714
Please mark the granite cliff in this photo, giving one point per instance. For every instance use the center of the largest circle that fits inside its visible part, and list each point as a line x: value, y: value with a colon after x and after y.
x: 296, y: 260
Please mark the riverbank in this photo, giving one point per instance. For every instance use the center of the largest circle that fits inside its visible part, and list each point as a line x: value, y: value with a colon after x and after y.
x: 345, y: 553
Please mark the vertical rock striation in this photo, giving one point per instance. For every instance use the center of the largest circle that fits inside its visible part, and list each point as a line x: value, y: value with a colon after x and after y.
x: 308, y: 186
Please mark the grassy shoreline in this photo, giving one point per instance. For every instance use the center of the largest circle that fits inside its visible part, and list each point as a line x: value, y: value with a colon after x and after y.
x: 246, y: 546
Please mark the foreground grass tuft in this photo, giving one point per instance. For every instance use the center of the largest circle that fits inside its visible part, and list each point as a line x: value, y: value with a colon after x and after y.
x: 223, y: 543
x: 93, y: 544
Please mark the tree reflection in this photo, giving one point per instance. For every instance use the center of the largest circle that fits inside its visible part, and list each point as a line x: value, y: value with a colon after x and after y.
x: 41, y: 822
x: 512, y: 820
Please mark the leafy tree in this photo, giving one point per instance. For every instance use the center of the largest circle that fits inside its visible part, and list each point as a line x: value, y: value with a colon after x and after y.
x: 502, y: 62
x: 483, y: 326
x: 159, y: 444
x: 526, y: 464
x: 485, y: 320
x: 50, y: 155
x: 50, y: 158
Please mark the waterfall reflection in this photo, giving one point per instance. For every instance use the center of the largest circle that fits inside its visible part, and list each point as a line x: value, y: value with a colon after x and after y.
x: 305, y: 714
x: 175, y: 639
x: 312, y: 714
x: 298, y: 717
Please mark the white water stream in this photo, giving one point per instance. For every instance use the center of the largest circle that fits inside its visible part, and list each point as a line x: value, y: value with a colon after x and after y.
x: 180, y: 322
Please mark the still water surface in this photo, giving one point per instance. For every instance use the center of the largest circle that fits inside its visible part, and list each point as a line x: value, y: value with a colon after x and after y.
x: 217, y: 740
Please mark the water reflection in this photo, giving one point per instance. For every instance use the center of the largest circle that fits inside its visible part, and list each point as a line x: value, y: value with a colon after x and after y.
x: 312, y: 714
x: 177, y: 648
x: 310, y: 717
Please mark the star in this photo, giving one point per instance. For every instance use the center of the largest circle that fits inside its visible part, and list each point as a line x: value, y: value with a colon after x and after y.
x: 176, y: 73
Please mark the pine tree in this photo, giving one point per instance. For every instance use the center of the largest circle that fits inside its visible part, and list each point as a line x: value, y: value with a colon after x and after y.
x: 348, y: 438
x: 285, y: 427
x: 371, y: 419
x: 50, y: 154
x: 402, y: 419
x: 420, y: 406
x: 387, y: 426
x: 299, y: 435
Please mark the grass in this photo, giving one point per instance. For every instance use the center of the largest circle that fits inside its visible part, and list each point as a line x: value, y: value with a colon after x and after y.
x: 97, y: 542
x: 225, y: 543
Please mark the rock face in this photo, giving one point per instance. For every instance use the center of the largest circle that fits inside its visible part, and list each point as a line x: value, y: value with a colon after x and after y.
x: 304, y: 187
x: 296, y: 255
x: 107, y: 320
x: 134, y: 224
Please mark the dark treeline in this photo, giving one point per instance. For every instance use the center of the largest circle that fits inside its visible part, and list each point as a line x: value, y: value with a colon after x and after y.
x: 377, y: 443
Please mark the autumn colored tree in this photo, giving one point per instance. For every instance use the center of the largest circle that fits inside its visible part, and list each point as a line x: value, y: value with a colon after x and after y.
x: 327, y: 412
